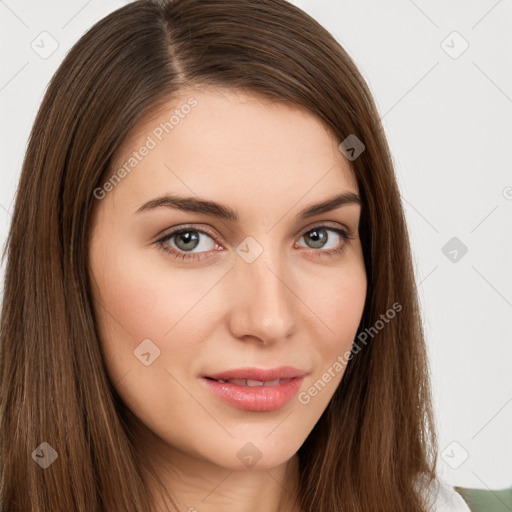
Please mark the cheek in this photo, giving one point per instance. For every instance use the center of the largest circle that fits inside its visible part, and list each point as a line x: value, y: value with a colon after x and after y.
x: 139, y: 298
x: 339, y: 307
x: 343, y: 310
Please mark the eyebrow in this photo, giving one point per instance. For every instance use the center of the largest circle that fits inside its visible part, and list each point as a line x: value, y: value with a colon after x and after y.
x: 193, y: 204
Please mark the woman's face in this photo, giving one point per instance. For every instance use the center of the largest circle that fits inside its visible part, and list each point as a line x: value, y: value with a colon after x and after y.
x: 276, y: 287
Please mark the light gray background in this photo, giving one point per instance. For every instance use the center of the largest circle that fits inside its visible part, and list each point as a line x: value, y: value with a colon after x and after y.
x: 448, y: 118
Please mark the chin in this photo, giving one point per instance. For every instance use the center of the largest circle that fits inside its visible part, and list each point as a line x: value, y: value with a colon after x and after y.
x: 254, y: 455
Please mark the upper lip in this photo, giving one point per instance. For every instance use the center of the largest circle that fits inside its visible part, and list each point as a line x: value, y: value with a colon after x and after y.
x: 283, y: 372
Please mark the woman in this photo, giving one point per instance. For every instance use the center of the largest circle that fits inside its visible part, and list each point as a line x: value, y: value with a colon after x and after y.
x: 209, y: 300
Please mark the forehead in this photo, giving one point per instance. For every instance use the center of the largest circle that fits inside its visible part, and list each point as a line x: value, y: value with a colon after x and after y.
x: 217, y: 141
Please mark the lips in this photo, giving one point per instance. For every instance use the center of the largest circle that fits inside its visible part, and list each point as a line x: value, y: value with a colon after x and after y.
x: 254, y: 389
x: 255, y: 376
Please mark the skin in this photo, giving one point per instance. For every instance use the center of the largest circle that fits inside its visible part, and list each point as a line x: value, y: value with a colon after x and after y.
x: 268, y: 160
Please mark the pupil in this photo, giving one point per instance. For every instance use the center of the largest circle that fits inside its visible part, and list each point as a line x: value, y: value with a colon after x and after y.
x: 187, y: 237
x: 318, y: 237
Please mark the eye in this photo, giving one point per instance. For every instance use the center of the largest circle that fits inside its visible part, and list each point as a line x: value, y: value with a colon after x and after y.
x: 331, y: 240
x: 181, y: 243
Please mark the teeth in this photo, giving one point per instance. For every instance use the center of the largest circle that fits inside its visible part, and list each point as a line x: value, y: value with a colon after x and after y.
x: 253, y: 383
x: 245, y: 382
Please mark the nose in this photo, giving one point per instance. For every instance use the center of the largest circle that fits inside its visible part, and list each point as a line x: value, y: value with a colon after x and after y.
x: 263, y: 302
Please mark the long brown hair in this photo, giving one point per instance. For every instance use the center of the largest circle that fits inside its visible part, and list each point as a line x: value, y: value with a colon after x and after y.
x: 376, y: 436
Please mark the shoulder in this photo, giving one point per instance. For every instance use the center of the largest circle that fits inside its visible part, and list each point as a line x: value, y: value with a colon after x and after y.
x: 443, y: 497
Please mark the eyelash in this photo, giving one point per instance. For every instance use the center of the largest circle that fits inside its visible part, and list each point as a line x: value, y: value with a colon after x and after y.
x: 161, y: 243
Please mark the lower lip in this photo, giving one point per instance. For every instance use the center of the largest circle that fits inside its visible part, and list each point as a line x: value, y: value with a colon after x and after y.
x: 257, y: 398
